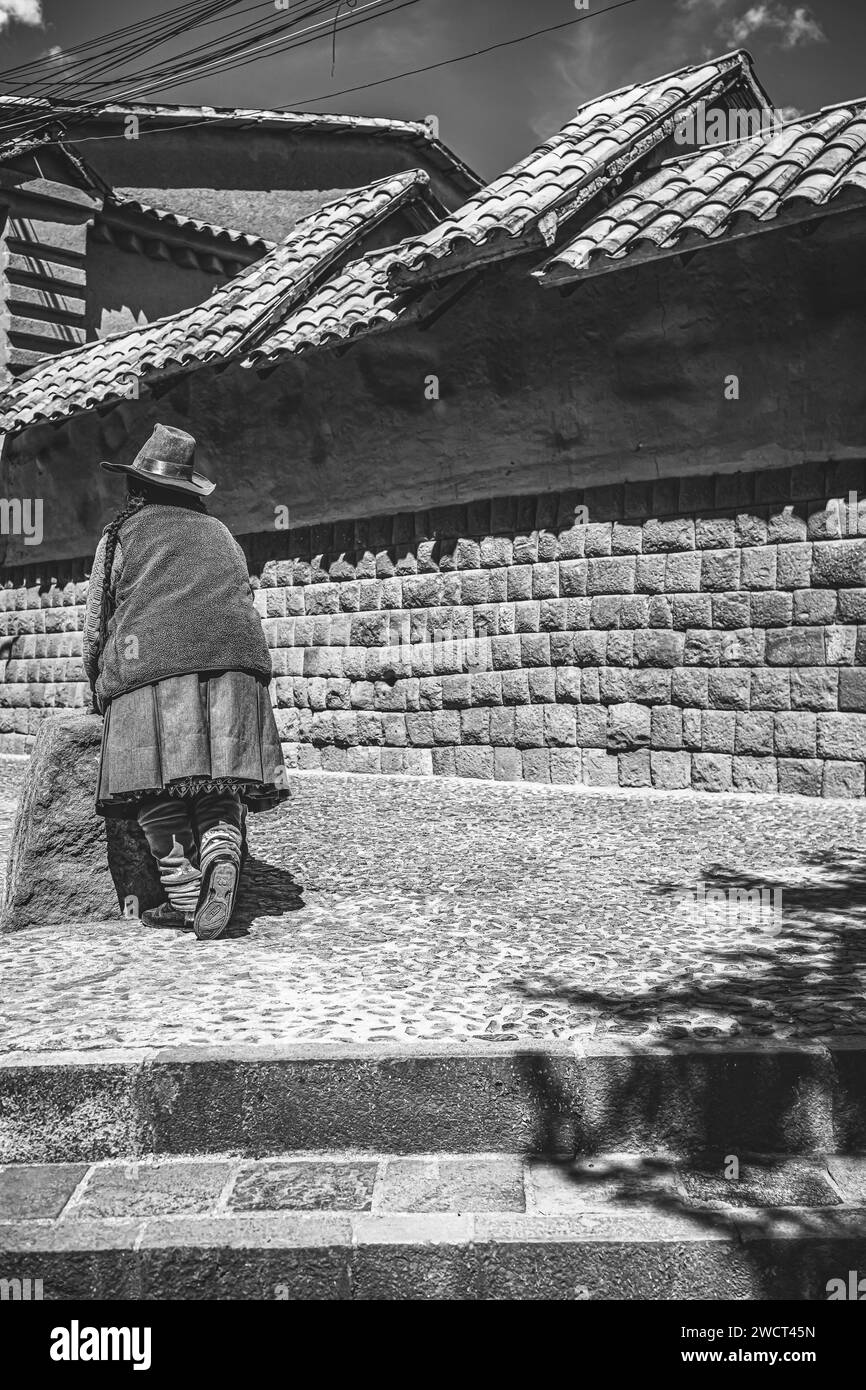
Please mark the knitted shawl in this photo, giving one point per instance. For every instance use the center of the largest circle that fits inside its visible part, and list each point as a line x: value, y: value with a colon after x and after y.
x: 183, y: 604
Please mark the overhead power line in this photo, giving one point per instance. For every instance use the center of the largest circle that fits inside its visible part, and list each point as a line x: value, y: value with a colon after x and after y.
x: 461, y: 58
x: 105, y: 44
x: 239, y: 55
x: 212, y: 59
x: 223, y: 53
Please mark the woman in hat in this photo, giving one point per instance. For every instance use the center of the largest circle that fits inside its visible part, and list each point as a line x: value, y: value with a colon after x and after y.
x: 179, y: 666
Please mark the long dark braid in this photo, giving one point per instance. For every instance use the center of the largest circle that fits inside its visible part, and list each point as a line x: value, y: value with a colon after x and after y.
x: 140, y: 495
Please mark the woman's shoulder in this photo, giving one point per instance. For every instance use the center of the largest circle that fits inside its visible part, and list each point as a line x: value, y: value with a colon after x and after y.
x: 219, y: 528
x: 185, y: 515
x: 167, y: 516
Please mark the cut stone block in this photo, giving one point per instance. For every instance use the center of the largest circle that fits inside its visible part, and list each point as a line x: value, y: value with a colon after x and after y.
x: 153, y: 1189
x: 771, y: 1183
x: 305, y: 1186
x: 453, y: 1185
x: 39, y: 1190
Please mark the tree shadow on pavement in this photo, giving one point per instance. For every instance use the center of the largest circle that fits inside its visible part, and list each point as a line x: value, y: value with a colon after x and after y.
x: 672, y: 1083
x: 800, y: 978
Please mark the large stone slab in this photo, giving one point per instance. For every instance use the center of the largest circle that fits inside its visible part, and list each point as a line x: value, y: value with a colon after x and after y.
x: 67, y: 864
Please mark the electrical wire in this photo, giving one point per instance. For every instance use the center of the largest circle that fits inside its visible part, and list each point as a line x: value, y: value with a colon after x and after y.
x: 47, y: 63
x: 104, y: 43
x: 180, y: 70
x: 207, y: 57
x: 231, y: 62
x: 245, y: 54
x: 123, y: 45
x: 461, y: 58
x: 209, y: 50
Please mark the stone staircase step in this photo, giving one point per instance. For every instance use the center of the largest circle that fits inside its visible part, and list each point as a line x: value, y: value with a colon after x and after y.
x: 469, y: 1096
x: 392, y: 1226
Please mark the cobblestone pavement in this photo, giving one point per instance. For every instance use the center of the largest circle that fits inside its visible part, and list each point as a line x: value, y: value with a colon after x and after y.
x: 401, y: 908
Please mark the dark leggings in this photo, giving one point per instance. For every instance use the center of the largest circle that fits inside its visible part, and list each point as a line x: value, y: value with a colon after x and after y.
x: 186, y: 835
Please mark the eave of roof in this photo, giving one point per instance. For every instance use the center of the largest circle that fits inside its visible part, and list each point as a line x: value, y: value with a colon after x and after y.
x: 416, y: 133
x: 134, y: 220
x: 131, y: 214
x: 805, y: 169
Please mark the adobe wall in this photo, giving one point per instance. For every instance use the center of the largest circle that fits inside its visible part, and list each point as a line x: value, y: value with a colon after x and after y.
x: 125, y: 290
x: 623, y: 380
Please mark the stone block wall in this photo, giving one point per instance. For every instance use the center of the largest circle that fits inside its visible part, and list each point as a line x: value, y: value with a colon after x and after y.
x: 704, y: 632
x: 41, y: 621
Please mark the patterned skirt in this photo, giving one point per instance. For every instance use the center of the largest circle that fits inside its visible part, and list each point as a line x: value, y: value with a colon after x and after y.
x: 189, y: 734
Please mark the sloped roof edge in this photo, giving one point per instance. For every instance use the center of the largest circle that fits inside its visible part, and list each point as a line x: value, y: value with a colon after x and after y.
x: 566, y: 170
x: 795, y: 171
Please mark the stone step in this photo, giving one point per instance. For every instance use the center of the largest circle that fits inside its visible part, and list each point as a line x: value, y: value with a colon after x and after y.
x: 467, y: 1096
x: 495, y: 1226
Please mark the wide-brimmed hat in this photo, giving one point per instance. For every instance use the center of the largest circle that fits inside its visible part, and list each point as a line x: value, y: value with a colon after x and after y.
x: 167, y: 459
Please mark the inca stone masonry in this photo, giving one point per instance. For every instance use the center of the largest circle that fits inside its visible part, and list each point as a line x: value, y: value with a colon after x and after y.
x: 717, y: 645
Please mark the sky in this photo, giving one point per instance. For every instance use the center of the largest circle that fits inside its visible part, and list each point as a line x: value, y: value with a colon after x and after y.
x: 492, y: 109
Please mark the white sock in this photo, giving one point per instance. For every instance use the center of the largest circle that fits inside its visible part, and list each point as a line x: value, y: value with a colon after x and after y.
x: 180, y: 879
x: 221, y: 839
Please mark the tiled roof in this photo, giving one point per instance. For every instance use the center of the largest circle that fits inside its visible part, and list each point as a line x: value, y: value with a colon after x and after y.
x: 16, y: 146
x: 601, y: 140
x: 358, y: 299
x: 790, y: 173
x: 306, y: 293
x: 226, y: 323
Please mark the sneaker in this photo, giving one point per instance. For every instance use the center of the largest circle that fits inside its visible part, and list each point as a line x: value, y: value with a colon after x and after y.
x: 216, y: 901
x: 165, y: 916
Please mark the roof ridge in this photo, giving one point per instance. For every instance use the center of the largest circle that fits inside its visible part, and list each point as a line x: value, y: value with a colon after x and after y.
x: 764, y: 134
x: 407, y: 178
x: 205, y: 108
x: 740, y: 53
x: 415, y: 131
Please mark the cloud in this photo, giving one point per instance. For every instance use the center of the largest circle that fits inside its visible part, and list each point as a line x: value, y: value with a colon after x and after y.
x: 21, y: 12
x: 601, y: 57
x: 793, y: 26
x: 579, y: 71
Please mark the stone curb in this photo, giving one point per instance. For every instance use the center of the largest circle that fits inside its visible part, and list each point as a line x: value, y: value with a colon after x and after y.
x: 633, y: 1254
x: 452, y: 1097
